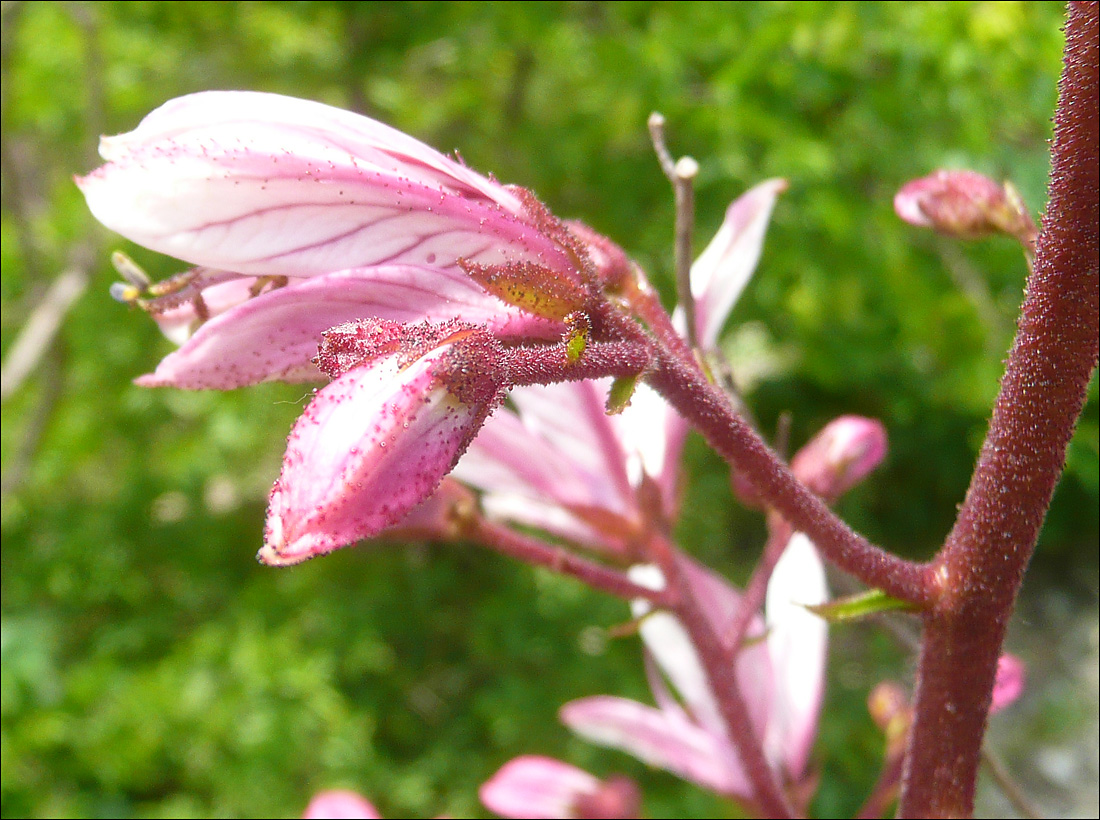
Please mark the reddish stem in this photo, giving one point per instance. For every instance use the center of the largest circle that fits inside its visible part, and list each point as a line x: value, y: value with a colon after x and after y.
x: 756, y: 590
x: 538, y: 553
x: 549, y: 364
x: 709, y: 410
x: 981, y: 566
x: 719, y: 662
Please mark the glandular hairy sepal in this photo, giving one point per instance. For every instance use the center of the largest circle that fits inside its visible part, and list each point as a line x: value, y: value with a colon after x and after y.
x: 529, y: 286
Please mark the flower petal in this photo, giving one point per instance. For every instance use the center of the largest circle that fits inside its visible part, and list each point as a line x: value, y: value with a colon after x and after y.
x: 726, y: 265
x: 668, y: 641
x: 340, y: 804
x: 269, y: 185
x: 370, y: 446
x: 797, y: 643
x: 537, y: 787
x: 556, y: 465
x: 275, y: 335
x: 658, y: 739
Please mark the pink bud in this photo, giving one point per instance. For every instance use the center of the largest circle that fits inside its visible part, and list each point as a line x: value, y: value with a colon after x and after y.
x: 966, y: 205
x: 406, y: 402
x: 1009, y: 683
x: 840, y: 456
x: 340, y: 804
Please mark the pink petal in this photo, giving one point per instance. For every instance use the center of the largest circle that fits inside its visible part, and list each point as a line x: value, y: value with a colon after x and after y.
x: 726, y: 265
x: 555, y: 465
x: 370, y: 446
x: 1010, y: 681
x: 269, y: 185
x: 340, y: 804
x: 537, y: 787
x: 658, y: 739
x: 275, y: 335
x: 671, y: 647
x: 797, y: 645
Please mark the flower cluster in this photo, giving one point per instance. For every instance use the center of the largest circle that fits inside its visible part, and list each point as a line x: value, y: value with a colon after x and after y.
x: 327, y: 245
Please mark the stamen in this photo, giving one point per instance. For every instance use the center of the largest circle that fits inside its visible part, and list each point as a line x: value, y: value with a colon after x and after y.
x: 129, y: 270
x: 123, y: 292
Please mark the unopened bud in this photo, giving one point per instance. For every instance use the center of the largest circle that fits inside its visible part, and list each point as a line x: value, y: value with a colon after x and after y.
x: 616, y: 797
x: 889, y: 709
x: 840, y: 456
x: 965, y: 205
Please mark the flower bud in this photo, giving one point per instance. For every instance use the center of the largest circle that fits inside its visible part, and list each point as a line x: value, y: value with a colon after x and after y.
x: 405, y: 403
x: 966, y: 205
x: 840, y: 456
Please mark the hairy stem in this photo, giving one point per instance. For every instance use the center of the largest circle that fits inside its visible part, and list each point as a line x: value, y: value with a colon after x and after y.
x: 560, y: 560
x: 709, y: 410
x: 981, y: 566
x: 719, y: 662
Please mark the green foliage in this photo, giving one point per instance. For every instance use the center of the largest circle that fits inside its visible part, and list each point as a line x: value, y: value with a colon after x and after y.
x: 151, y: 668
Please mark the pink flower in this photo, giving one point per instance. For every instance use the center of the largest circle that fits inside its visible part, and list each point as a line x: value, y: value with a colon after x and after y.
x: 781, y: 679
x: 560, y: 463
x: 541, y: 787
x: 299, y: 217
x: 340, y: 804
x: 405, y: 402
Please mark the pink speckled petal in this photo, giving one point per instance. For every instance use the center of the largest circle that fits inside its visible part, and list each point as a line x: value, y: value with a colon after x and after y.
x: 274, y: 335
x: 370, y: 446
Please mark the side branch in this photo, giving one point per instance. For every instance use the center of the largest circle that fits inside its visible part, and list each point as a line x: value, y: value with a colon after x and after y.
x: 981, y: 566
x: 708, y: 409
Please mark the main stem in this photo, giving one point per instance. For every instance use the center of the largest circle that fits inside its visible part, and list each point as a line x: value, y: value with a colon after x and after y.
x: 979, y: 570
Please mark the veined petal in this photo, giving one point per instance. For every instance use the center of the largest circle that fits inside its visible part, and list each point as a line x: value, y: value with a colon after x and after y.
x: 537, y: 787
x: 275, y: 335
x: 652, y: 435
x: 269, y: 185
x: 370, y: 446
x: 659, y: 739
x: 672, y: 649
x: 572, y: 417
x: 797, y: 643
x: 364, y: 137
x: 556, y: 465
x: 726, y: 265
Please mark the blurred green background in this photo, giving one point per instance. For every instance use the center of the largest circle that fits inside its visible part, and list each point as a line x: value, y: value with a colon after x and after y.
x: 152, y: 668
